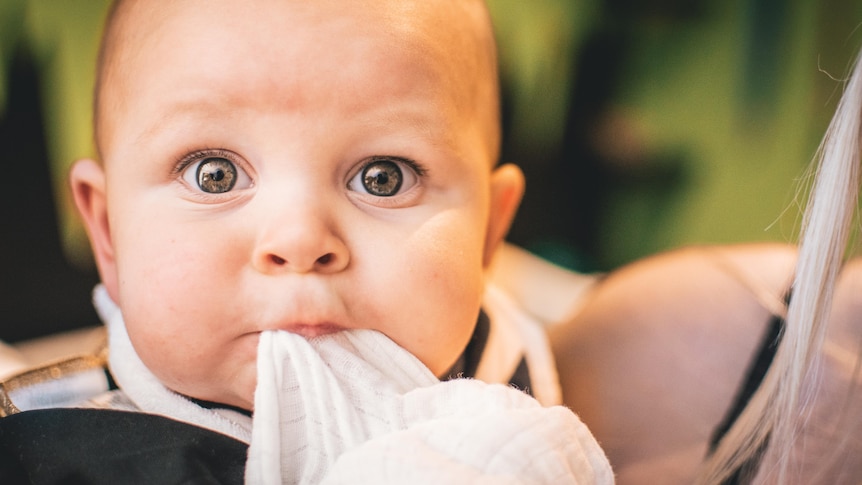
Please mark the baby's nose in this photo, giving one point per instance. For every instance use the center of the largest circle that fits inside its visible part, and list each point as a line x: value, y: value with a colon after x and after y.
x: 323, y: 262
x: 301, y: 243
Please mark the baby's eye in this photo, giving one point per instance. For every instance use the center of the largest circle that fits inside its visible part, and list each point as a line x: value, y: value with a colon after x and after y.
x: 385, y: 177
x: 216, y: 175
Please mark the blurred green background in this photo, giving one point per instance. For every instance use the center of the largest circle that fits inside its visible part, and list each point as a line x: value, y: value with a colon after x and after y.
x: 641, y: 126
x: 647, y: 125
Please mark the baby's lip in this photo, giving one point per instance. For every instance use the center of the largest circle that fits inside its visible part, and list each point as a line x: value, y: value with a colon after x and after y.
x: 311, y: 330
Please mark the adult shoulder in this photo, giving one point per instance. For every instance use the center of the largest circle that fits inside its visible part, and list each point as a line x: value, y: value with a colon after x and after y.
x: 656, y: 354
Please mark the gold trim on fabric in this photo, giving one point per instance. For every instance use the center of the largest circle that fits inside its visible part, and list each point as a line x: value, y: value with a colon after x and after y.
x: 49, y: 372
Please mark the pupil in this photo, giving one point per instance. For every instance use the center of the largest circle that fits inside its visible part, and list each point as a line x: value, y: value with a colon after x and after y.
x: 382, y: 178
x: 216, y: 175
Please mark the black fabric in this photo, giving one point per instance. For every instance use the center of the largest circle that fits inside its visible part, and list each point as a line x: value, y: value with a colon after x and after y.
x: 112, y: 383
x: 468, y: 362
x: 521, y: 378
x: 218, y: 405
x: 98, y: 446
x: 756, y: 372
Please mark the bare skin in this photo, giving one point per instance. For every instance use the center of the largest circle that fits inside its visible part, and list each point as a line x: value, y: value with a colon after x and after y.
x: 654, y: 358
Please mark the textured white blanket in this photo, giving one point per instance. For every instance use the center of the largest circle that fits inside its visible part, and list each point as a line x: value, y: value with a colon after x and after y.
x: 353, y: 407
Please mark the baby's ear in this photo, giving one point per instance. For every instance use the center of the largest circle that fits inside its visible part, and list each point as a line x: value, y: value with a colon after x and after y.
x: 507, y: 188
x: 87, y: 179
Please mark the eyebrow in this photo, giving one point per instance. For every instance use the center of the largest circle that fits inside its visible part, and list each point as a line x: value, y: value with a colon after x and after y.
x: 199, y: 108
x: 176, y: 112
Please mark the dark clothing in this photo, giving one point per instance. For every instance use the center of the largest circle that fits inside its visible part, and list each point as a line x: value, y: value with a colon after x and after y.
x: 756, y: 372
x: 100, y: 446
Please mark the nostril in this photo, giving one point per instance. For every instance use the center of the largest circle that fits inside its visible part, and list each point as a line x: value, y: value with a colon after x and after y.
x: 325, y: 259
x: 277, y: 259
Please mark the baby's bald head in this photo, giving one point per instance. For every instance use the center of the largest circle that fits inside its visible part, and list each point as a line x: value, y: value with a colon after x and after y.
x: 458, y: 33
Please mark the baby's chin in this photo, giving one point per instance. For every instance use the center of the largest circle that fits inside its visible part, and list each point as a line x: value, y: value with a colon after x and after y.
x: 234, y: 391
x: 242, y: 395
x: 241, y: 398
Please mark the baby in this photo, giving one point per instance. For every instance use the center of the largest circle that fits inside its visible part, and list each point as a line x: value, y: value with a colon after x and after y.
x: 313, y: 168
x: 303, y: 166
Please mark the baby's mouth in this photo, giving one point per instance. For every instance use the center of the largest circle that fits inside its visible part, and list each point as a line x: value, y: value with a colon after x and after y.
x: 312, y: 330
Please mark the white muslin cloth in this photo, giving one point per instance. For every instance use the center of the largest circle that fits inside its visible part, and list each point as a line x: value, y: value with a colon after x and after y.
x: 354, y: 407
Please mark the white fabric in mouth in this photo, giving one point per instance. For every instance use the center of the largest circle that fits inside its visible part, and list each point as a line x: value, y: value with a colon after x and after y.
x: 354, y: 407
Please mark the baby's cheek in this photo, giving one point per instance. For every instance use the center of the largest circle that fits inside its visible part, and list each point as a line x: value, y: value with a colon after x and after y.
x: 441, y: 329
x: 452, y: 301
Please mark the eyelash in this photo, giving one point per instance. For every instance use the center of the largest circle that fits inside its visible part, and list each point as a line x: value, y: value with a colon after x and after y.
x: 413, y: 164
x: 198, y: 155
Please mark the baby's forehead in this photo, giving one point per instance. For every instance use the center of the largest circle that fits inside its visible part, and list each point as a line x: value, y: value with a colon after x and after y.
x: 458, y: 27
x: 454, y: 37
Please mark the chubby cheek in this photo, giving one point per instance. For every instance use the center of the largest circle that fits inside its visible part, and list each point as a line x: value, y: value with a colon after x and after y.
x: 175, y: 294
x: 439, y: 294
x: 170, y: 268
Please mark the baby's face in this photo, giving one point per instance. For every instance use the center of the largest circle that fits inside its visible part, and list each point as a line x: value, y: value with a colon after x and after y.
x: 305, y: 166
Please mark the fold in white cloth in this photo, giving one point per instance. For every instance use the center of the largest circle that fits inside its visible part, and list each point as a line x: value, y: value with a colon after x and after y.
x: 354, y: 407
